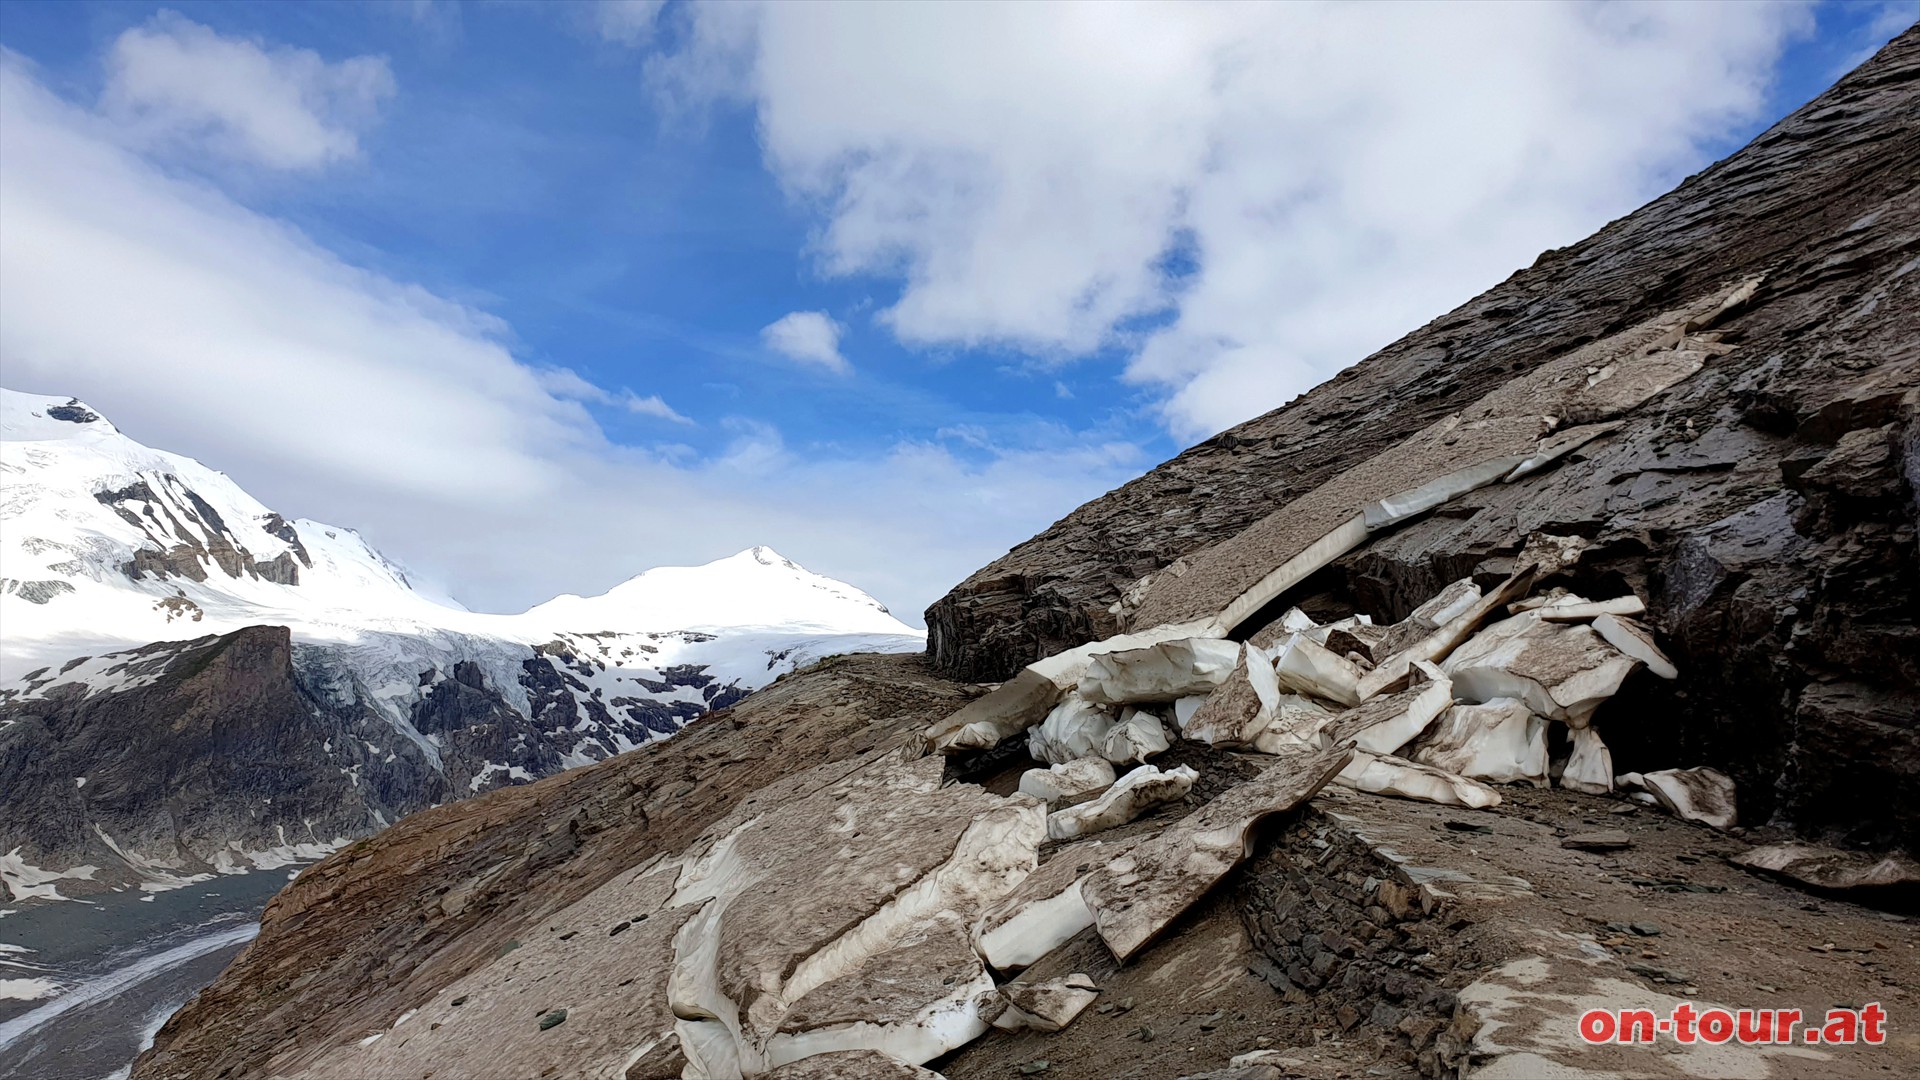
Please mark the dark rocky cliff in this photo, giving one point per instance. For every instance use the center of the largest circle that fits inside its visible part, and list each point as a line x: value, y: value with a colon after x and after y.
x: 1766, y: 508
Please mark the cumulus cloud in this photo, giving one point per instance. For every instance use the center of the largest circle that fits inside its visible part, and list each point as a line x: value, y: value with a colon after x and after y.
x: 811, y: 337
x: 335, y: 393
x: 1245, y: 198
x: 174, y: 81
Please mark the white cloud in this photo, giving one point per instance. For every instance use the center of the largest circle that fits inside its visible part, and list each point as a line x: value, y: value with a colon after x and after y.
x: 627, y: 22
x: 174, y: 82
x: 811, y: 337
x: 335, y: 393
x: 1276, y: 190
x: 570, y: 385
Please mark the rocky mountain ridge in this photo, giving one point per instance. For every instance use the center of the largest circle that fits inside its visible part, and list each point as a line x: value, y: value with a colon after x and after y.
x: 191, y: 683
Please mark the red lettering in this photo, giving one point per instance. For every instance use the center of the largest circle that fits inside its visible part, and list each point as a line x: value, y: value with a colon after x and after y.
x: 1784, y: 1022
x: 1637, y: 1025
x: 1683, y: 1023
x: 1597, y: 1025
x: 1716, y: 1025
x: 1843, y: 1026
x: 1756, y: 1026
x: 1874, y: 1019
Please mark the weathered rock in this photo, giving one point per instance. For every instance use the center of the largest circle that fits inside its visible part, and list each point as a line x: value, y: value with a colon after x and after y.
x: 1604, y: 840
x: 1046, y: 1005
x: 1387, y: 775
x: 1500, y: 741
x: 1134, y: 895
x: 1134, y: 794
x: 1070, y: 780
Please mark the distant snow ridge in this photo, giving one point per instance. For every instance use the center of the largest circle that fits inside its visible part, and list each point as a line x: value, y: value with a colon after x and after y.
x: 108, y: 546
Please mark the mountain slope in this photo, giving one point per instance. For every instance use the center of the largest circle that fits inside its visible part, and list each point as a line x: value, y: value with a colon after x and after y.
x: 148, y: 600
x: 1762, y: 507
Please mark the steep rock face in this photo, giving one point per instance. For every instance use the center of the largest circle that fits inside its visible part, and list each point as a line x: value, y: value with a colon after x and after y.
x: 211, y: 750
x: 1766, y: 506
x: 1791, y: 198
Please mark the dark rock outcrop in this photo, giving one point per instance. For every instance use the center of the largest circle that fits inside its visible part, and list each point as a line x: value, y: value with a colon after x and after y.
x: 1766, y: 508
x: 213, y: 741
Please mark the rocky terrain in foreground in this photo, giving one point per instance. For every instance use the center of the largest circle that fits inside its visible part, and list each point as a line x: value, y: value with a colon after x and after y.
x: 1506, y: 676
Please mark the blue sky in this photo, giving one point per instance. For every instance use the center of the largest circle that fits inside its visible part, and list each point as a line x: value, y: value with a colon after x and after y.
x: 522, y: 258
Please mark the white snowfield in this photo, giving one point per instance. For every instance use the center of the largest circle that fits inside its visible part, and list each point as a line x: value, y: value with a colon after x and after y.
x: 102, y: 540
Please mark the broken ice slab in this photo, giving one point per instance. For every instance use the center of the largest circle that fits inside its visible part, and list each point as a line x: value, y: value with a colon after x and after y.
x: 1398, y: 507
x: 1393, y: 672
x: 1351, y: 636
x: 1159, y: 673
x: 1184, y: 708
x: 1138, y: 736
x: 1297, y: 721
x: 1556, y: 446
x: 1636, y: 641
x: 1590, y: 768
x: 1500, y: 742
x: 999, y: 714
x: 1075, y: 729
x: 912, y: 1003
x: 1448, y: 603
x: 1133, y: 896
x: 851, y: 1065
x: 1241, y: 708
x: 1047, y: 1005
x: 1134, y: 794
x: 1830, y: 868
x: 1069, y: 780
x: 1387, y: 723
x: 1563, y: 671
x: 1043, y: 911
x: 1379, y: 775
x: 1348, y: 535
x: 840, y: 887
x: 1311, y: 668
x: 1701, y: 794
x: 1022, y: 701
